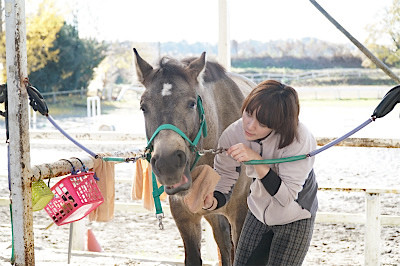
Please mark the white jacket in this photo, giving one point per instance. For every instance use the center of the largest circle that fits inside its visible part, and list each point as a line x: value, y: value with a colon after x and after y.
x: 282, y: 207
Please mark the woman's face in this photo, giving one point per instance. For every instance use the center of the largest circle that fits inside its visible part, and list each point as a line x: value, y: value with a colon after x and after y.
x: 253, y: 129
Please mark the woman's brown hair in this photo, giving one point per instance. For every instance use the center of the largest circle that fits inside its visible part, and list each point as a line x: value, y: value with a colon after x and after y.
x: 277, y: 107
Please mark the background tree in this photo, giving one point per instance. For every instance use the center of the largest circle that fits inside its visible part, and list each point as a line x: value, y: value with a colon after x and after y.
x: 74, y: 68
x: 384, y: 37
x: 42, y: 28
x: 118, y: 65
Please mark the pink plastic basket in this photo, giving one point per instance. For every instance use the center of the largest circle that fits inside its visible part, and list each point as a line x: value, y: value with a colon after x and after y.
x: 75, y: 197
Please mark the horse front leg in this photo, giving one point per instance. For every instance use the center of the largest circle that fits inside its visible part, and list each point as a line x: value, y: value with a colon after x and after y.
x: 236, y: 208
x: 189, y: 226
x: 222, y: 236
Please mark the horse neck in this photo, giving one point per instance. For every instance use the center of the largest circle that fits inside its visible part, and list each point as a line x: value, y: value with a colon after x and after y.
x: 221, y: 101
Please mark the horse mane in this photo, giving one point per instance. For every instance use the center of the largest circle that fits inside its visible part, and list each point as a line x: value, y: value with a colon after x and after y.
x: 169, y: 66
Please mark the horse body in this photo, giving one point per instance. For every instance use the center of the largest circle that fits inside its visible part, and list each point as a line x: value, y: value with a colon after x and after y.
x: 171, y: 96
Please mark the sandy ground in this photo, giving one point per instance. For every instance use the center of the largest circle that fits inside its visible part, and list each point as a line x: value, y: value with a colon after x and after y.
x: 135, y: 239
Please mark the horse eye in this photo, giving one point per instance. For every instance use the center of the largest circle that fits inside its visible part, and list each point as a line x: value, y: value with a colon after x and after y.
x: 192, y: 104
x: 143, y: 108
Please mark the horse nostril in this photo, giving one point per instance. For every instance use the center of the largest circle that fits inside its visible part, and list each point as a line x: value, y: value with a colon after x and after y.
x: 153, y: 160
x: 181, y: 158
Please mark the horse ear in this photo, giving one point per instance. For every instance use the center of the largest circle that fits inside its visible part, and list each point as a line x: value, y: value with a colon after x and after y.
x: 143, y: 69
x: 197, y: 66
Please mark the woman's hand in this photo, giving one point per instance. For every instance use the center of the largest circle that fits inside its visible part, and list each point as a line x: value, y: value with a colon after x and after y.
x: 210, y: 203
x: 242, y: 153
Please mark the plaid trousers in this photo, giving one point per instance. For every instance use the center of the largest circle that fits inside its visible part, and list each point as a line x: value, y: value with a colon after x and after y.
x: 260, y: 244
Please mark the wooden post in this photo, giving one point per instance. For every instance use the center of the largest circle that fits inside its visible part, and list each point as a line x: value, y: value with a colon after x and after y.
x: 224, y: 47
x: 372, y: 229
x: 21, y: 194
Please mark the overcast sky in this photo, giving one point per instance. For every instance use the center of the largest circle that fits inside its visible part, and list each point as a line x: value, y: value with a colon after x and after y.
x: 197, y: 20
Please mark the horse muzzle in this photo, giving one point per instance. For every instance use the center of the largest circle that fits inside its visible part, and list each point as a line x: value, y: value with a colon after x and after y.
x: 172, y: 171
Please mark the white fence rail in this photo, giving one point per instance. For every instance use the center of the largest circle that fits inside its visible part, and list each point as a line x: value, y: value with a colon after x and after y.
x: 93, y: 106
x: 312, y: 74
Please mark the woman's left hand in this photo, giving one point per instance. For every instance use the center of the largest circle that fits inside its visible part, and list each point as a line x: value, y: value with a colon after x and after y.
x: 242, y: 153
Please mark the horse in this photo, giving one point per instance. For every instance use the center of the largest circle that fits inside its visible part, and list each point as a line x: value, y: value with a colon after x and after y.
x: 188, y: 94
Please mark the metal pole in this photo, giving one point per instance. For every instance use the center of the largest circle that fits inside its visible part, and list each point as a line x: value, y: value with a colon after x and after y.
x: 362, y: 48
x: 21, y: 194
x: 224, y: 48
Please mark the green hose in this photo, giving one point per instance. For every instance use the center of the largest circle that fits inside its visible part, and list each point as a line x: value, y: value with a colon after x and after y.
x: 273, y: 161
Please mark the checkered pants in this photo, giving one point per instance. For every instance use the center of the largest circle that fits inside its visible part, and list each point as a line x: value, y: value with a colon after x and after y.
x: 260, y: 244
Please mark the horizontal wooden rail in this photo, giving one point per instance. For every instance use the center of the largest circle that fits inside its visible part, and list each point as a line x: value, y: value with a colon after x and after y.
x: 331, y: 73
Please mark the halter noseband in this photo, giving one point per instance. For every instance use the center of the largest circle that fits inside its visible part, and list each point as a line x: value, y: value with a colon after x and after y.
x: 193, y: 144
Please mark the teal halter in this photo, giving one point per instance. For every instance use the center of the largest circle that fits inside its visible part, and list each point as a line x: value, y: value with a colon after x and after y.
x: 193, y: 144
x: 157, y: 191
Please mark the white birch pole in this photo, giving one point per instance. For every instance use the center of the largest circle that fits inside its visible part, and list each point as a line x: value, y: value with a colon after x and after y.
x: 19, y: 152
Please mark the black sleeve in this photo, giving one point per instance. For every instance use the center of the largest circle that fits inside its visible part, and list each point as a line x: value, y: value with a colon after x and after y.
x: 220, y: 199
x: 271, y: 182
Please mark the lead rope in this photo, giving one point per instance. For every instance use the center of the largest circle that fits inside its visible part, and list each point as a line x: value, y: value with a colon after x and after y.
x: 157, y: 191
x: 38, y: 103
x: 297, y: 157
x: 314, y: 152
x: 385, y: 106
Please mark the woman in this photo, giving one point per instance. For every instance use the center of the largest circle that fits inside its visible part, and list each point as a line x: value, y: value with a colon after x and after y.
x: 283, y: 197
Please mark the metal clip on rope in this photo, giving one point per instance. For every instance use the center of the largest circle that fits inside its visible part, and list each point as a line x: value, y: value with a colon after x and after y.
x: 212, y: 151
x: 160, y: 216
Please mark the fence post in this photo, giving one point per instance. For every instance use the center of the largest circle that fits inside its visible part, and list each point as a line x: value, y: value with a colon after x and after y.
x: 78, y: 235
x: 372, y: 229
x: 93, y: 106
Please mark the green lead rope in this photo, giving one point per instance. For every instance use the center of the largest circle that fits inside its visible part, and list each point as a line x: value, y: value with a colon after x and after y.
x: 113, y: 159
x: 12, y: 237
x: 280, y: 160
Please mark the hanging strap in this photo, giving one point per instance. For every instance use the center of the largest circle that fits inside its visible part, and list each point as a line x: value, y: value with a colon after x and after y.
x: 157, y: 191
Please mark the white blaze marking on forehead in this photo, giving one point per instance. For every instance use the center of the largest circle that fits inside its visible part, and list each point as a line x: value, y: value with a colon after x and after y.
x: 166, y: 89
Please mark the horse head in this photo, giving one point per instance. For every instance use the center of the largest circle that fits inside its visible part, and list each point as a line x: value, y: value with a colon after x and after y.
x: 173, y: 116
